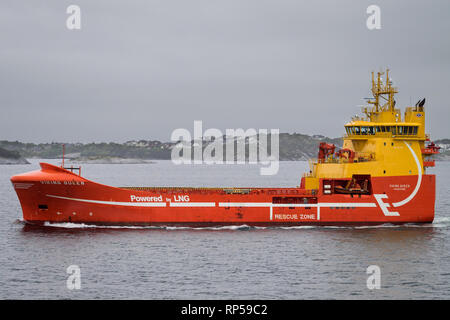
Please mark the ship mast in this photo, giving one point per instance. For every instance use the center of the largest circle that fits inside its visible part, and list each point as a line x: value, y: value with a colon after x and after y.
x: 384, y: 91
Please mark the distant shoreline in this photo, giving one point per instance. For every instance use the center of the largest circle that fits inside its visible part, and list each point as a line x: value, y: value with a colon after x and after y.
x: 11, y: 161
x: 108, y: 160
x: 292, y: 147
x: 11, y: 157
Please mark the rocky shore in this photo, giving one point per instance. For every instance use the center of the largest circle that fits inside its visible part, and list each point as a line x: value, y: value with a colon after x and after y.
x: 11, y: 157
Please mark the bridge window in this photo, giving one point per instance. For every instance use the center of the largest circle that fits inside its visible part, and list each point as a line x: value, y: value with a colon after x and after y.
x: 405, y: 130
x: 372, y: 130
x: 365, y: 130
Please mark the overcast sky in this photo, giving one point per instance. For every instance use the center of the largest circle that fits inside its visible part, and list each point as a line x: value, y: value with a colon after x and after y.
x: 140, y: 69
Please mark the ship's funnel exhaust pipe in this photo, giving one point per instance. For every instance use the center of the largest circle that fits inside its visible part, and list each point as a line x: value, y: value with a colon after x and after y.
x: 421, y: 104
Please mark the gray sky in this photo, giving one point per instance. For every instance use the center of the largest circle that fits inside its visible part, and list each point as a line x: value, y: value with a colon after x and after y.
x: 140, y: 69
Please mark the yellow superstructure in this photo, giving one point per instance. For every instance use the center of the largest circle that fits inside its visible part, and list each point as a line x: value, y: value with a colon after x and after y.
x: 383, y: 144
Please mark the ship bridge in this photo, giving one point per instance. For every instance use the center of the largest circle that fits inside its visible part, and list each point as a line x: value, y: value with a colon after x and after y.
x: 380, y: 143
x: 367, y: 130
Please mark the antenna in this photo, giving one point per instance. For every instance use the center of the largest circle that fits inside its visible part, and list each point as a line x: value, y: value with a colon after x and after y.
x: 63, y: 151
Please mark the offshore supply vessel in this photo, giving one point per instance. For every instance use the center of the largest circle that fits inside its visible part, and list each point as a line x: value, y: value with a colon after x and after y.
x: 378, y: 176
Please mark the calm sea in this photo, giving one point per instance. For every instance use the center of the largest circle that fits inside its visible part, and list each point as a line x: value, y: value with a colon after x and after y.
x: 219, y: 263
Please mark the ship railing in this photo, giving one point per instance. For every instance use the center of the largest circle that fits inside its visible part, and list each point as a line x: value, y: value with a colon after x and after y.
x: 308, y: 174
x: 311, y: 172
x: 365, y: 136
x: 72, y: 169
x: 359, y: 157
x: 384, y: 135
x: 364, y: 157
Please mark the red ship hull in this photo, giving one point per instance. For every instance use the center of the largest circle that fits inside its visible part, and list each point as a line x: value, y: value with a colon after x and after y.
x: 53, y: 194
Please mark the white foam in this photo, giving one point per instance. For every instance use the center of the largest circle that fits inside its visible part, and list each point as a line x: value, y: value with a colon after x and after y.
x: 440, y: 222
x: 71, y: 225
x: 441, y: 219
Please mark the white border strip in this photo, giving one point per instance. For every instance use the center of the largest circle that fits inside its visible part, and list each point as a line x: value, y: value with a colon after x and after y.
x: 245, y: 204
x: 192, y: 204
x: 350, y: 204
x: 309, y: 205
x: 114, y: 203
x: 226, y: 204
x: 286, y: 205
